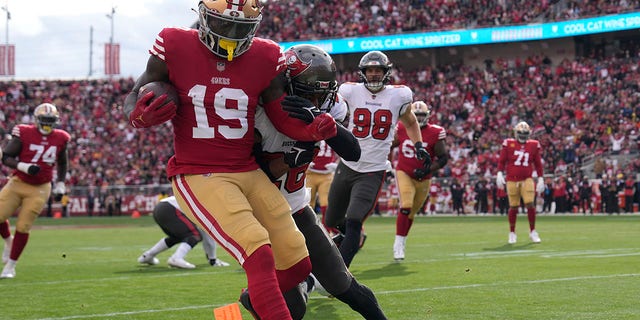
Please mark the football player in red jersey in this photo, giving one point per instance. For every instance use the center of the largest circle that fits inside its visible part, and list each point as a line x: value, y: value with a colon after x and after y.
x: 519, y: 157
x: 33, y: 152
x: 221, y: 72
x: 412, y: 176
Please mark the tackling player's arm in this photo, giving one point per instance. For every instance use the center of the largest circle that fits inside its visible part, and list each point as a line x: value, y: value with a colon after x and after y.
x: 345, y: 144
x: 273, y: 168
x: 323, y: 126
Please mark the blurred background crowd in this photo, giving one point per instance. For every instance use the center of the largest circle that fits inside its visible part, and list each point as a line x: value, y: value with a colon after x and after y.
x: 583, y: 110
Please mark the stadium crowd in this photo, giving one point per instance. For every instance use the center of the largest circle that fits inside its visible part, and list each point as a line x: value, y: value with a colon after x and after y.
x: 579, y: 109
x: 311, y: 19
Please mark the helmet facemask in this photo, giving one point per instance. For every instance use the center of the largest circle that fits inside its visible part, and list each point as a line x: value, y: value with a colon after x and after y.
x: 228, y: 27
x: 375, y: 59
x: 46, y: 117
x: 522, y: 131
x: 422, y: 112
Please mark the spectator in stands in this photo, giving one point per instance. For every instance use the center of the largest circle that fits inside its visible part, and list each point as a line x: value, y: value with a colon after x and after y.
x: 629, y: 192
x: 457, y: 193
x: 560, y: 195
x: 585, y: 193
x: 482, y: 196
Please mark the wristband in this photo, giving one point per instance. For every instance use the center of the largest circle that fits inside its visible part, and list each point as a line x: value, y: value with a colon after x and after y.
x: 23, y: 166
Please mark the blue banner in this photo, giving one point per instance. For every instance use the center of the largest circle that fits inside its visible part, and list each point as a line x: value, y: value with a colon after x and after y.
x: 478, y: 36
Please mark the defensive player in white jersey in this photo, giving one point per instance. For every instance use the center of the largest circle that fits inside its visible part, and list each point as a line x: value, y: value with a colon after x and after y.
x: 375, y: 109
x: 312, y: 74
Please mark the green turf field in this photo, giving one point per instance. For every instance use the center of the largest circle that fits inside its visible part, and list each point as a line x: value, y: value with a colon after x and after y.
x: 456, y: 268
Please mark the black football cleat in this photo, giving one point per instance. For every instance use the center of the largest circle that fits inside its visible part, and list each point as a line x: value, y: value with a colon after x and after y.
x: 246, y: 303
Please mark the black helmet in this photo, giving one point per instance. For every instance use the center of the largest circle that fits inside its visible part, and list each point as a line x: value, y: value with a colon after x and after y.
x: 375, y: 59
x: 311, y: 73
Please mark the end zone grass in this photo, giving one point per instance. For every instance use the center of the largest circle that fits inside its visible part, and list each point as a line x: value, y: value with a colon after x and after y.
x: 587, y: 267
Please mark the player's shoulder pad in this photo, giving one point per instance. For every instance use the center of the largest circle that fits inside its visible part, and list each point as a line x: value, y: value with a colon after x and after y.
x: 534, y: 143
x: 442, y: 133
x: 340, y: 109
x: 166, y: 37
x: 404, y: 93
x: 270, y: 52
x: 62, y: 133
x: 505, y: 142
x: 18, y: 128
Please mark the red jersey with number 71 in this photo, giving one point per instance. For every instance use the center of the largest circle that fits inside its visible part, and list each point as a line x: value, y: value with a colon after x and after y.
x: 518, y: 160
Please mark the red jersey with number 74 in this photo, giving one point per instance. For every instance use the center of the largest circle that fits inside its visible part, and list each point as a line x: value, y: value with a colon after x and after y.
x: 39, y: 149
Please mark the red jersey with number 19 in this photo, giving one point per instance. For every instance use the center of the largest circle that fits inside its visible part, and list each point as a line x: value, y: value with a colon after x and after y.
x: 214, y: 125
x: 519, y: 159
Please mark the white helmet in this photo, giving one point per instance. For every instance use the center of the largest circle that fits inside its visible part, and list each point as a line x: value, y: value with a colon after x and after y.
x: 422, y: 112
x: 522, y: 131
x: 46, y: 117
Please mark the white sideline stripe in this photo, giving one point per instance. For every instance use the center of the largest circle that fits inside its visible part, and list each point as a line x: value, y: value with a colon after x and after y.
x: 605, y: 253
x: 477, y: 285
x: 181, y: 274
x: 104, y: 315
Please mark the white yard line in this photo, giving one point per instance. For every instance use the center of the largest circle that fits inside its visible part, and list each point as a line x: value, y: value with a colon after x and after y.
x: 478, y: 285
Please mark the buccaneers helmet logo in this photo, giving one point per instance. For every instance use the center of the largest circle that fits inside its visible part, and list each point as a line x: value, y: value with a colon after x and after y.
x: 295, y: 66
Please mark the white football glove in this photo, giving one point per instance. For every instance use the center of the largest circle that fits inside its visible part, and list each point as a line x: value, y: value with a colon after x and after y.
x: 500, y: 182
x: 540, y: 186
x: 331, y: 166
x: 59, y: 188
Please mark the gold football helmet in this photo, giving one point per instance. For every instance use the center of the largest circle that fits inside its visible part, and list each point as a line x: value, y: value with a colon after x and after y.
x: 46, y: 117
x: 227, y: 27
x: 422, y: 112
x: 522, y: 131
